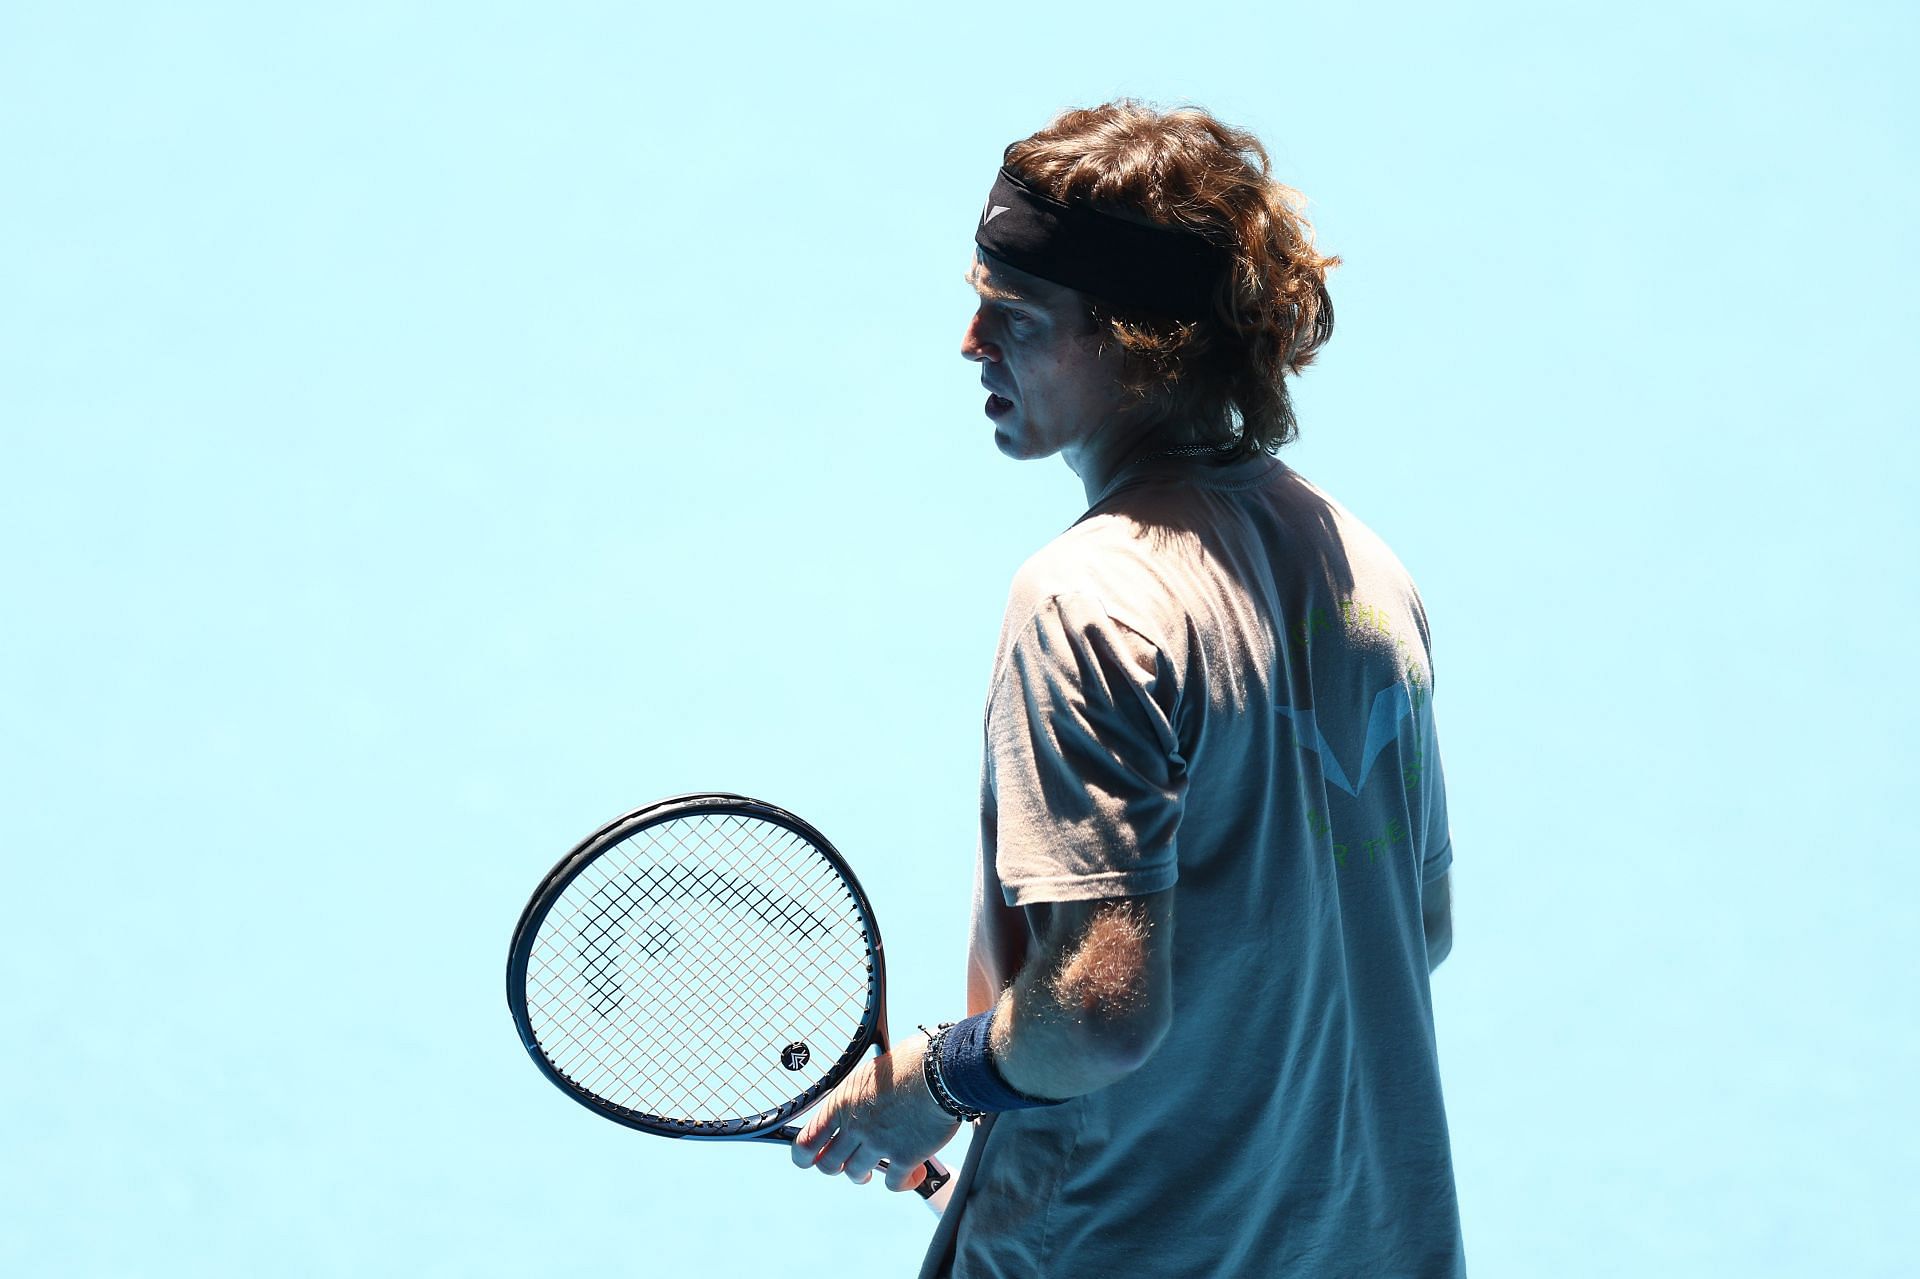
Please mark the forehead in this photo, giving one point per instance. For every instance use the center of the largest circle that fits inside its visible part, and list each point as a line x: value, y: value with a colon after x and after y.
x: 998, y: 282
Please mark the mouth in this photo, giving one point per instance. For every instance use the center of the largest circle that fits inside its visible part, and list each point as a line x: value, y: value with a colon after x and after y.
x: 998, y: 405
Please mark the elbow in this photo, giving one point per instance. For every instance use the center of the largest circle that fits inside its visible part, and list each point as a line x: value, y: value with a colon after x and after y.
x: 1113, y: 984
x: 1121, y: 1045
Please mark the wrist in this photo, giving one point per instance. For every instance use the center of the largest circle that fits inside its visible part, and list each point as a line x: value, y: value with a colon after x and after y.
x: 936, y: 1082
x: 962, y: 1075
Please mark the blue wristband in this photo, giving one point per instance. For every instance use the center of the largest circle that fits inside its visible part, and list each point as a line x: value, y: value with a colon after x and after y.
x: 968, y: 1071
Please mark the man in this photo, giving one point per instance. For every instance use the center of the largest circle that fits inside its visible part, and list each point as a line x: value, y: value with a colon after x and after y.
x: 1214, y: 856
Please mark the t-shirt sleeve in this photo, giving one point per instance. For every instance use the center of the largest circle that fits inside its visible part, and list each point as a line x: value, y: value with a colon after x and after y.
x: 1083, y: 758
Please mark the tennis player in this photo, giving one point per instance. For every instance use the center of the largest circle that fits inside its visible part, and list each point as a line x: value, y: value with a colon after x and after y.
x: 1213, y: 873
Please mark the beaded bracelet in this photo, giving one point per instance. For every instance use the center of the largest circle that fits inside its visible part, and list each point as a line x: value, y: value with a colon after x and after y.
x: 960, y: 1070
x: 942, y: 1096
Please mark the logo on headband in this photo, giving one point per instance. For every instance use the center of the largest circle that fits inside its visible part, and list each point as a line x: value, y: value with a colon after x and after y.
x: 993, y: 211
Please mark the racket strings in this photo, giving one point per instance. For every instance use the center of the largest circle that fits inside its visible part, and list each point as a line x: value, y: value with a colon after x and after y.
x: 675, y: 972
x: 678, y: 1045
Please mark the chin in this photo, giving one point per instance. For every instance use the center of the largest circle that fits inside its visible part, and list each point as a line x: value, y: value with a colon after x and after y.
x: 1017, y: 446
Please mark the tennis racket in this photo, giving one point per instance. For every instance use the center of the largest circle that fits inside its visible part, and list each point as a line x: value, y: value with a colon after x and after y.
x: 706, y: 967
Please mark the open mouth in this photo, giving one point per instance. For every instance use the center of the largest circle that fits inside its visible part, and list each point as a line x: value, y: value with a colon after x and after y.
x: 998, y: 405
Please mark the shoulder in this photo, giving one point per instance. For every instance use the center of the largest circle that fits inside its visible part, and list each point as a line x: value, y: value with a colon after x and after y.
x: 1100, y: 547
x: 1129, y: 567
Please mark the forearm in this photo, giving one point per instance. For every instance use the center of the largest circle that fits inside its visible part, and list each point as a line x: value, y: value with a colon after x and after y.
x: 1043, y: 1056
x: 1075, y: 1023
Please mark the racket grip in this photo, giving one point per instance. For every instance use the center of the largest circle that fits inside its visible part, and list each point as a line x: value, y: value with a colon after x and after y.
x: 936, y: 1187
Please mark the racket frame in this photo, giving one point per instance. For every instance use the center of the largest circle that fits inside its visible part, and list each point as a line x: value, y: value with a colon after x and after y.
x: 768, y: 1125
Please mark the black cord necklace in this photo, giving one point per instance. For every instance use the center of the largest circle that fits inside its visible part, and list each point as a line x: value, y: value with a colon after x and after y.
x: 1184, y: 450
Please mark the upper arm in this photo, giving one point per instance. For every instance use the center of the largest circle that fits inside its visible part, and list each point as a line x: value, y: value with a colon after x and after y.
x: 1436, y: 903
x: 1436, y: 914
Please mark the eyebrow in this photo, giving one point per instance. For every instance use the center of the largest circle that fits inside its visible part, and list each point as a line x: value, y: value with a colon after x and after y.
x: 977, y: 277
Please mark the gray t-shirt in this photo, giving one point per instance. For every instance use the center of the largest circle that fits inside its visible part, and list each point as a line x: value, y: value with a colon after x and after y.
x: 1219, y: 681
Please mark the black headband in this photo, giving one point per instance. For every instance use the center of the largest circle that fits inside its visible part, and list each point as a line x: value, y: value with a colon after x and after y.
x: 1160, y: 269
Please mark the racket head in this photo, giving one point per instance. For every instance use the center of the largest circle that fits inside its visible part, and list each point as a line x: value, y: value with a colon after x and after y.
x: 706, y: 967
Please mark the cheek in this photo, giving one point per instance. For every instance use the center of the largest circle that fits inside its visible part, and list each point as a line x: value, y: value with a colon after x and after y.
x: 1091, y: 381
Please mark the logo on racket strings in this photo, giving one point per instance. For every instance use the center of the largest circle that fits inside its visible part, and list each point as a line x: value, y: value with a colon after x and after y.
x: 795, y: 1056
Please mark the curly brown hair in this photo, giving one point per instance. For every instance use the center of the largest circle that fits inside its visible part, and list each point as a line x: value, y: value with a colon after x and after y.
x: 1224, y: 373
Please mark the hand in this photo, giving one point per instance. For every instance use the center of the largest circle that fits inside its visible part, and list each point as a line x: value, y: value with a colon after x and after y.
x: 881, y: 1111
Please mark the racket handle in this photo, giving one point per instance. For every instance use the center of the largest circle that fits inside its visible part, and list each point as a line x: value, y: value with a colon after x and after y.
x: 936, y: 1187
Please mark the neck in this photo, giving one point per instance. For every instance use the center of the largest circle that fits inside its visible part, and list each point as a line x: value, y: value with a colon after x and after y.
x: 1101, y: 460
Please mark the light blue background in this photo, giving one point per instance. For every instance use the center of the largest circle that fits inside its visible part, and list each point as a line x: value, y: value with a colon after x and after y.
x: 432, y: 429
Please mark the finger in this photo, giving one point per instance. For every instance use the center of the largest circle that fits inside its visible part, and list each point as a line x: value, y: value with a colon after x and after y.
x: 906, y: 1176
x: 861, y: 1167
x: 845, y: 1158
x: 811, y: 1141
x: 835, y: 1152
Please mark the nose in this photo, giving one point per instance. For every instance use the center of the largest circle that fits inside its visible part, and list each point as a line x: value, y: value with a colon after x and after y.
x: 974, y: 345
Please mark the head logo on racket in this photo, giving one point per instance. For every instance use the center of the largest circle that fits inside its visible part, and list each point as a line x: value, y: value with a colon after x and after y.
x: 795, y: 1056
